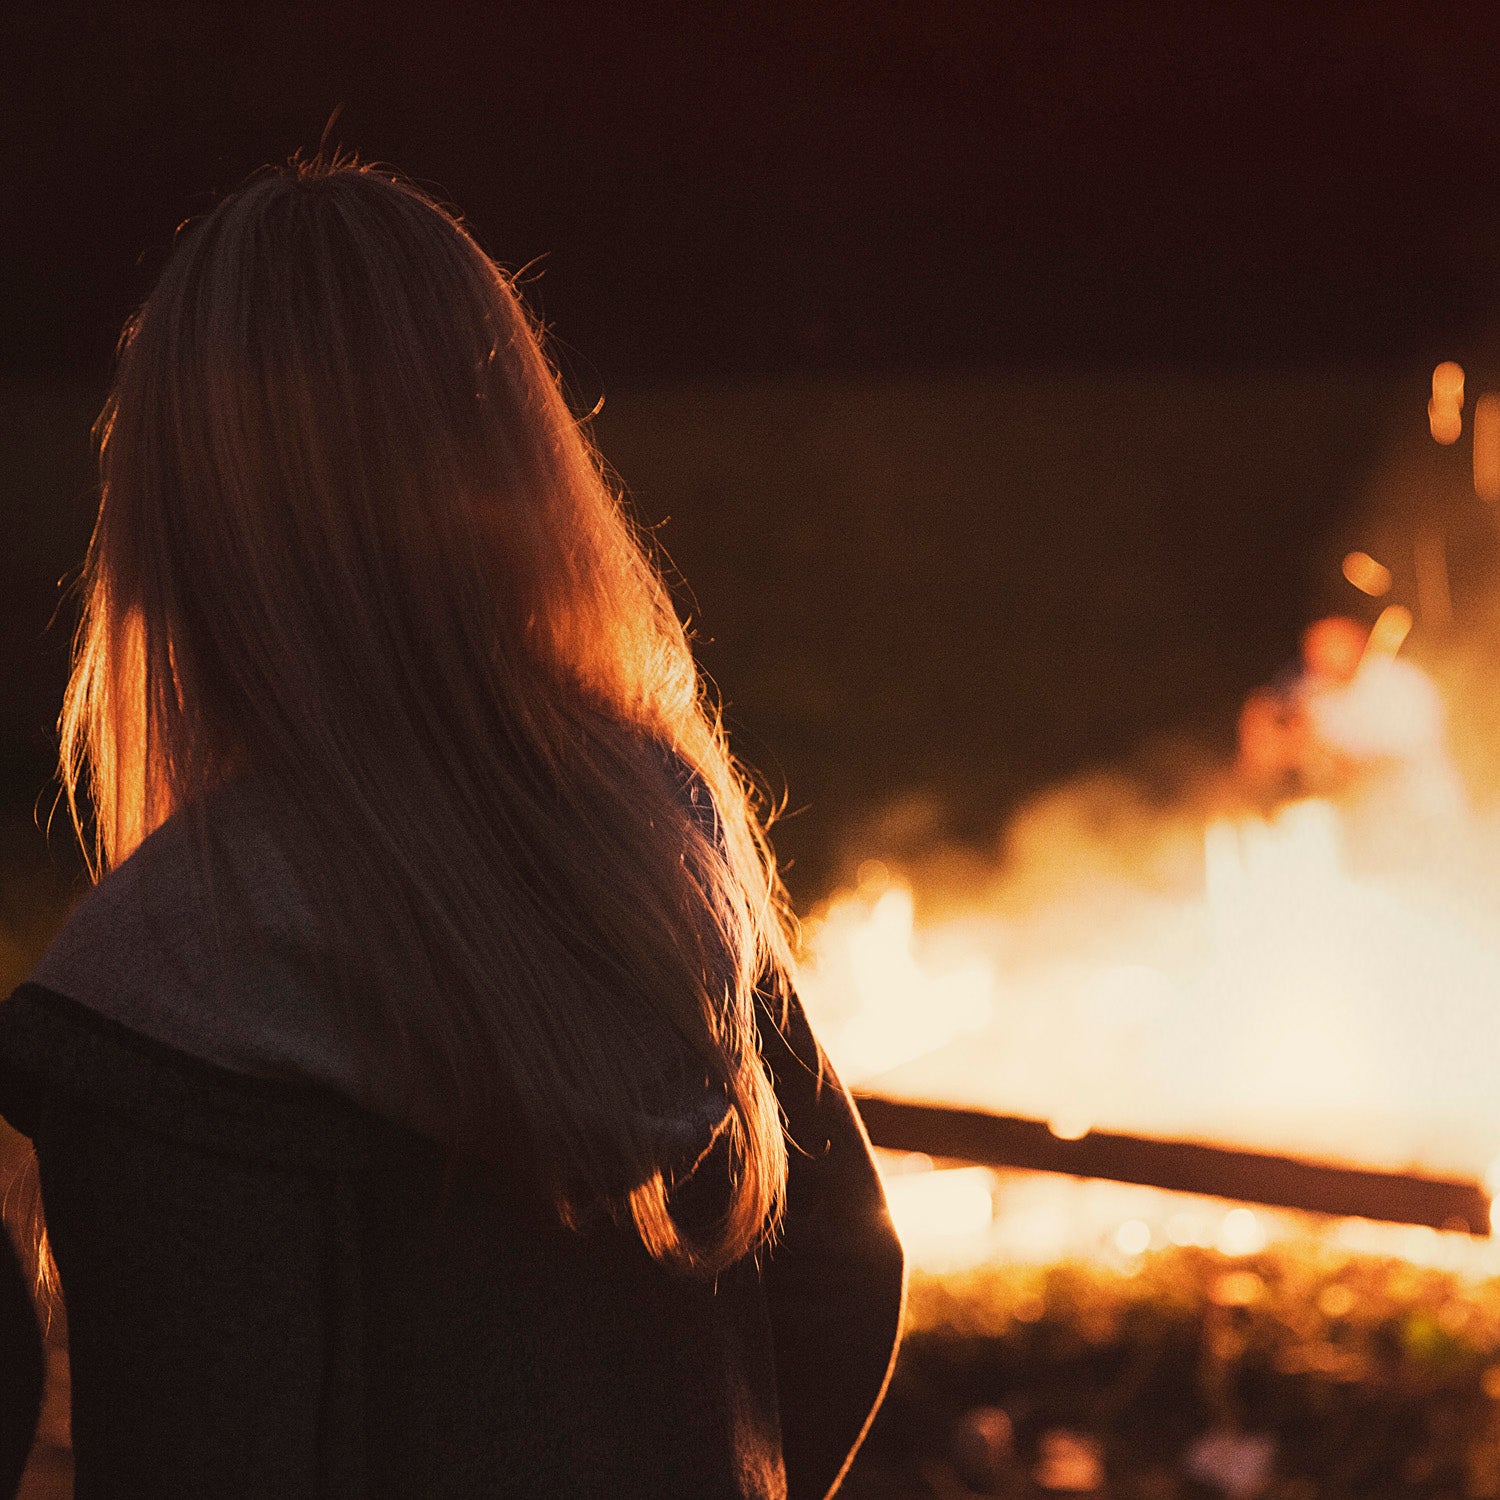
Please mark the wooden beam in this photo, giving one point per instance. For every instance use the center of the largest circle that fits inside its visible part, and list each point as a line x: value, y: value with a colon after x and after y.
x: 1181, y: 1166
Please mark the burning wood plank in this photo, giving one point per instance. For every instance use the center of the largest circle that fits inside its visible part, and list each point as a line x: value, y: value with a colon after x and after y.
x: 1179, y: 1166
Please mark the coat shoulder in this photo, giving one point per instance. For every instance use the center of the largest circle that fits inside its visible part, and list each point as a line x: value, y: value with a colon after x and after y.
x: 60, y: 1058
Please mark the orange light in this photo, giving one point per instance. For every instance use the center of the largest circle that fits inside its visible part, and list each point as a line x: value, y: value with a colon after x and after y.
x: 1444, y: 422
x: 1389, y: 631
x: 1487, y: 447
x: 1241, y: 1233
x: 1444, y: 411
x: 1311, y: 979
x: 1367, y: 575
x: 1237, y: 1289
x: 1070, y: 1127
x: 1448, y: 384
x: 1430, y: 562
x: 943, y: 1214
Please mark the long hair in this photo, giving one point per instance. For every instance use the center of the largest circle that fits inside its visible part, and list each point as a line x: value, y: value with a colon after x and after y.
x: 353, y: 544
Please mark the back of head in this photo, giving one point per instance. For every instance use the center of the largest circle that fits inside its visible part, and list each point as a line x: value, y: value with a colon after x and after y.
x: 352, y: 546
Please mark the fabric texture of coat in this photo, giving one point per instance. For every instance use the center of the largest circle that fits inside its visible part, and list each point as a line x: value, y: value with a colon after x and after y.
x: 272, y: 1290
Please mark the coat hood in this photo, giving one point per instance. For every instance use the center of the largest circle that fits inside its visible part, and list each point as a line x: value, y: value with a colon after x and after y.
x: 222, y: 959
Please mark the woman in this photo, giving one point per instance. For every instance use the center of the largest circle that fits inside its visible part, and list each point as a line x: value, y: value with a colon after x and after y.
x: 420, y: 1104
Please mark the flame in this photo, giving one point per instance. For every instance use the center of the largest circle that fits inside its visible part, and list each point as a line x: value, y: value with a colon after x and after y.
x: 942, y: 1215
x: 900, y: 1007
x: 1322, y: 980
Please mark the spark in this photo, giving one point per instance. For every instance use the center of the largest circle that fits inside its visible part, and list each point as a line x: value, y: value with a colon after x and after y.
x: 1367, y: 575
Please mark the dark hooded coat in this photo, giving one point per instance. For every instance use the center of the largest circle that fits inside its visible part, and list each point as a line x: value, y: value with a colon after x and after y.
x: 273, y: 1290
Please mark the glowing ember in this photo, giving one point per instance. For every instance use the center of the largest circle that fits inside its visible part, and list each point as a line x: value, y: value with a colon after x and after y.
x: 1367, y: 575
x: 1448, y: 383
x: 1444, y: 410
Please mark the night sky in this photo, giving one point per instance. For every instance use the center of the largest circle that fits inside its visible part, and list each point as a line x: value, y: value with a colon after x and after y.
x: 1292, y: 211
x: 719, y: 190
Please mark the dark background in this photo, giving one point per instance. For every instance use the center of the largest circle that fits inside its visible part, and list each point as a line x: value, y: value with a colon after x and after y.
x: 1007, y: 377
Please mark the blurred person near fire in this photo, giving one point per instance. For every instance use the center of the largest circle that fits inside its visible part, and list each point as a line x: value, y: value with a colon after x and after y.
x: 420, y: 1101
x: 1355, y: 720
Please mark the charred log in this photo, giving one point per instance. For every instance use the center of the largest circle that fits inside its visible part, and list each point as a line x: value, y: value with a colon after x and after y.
x: 1181, y: 1166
